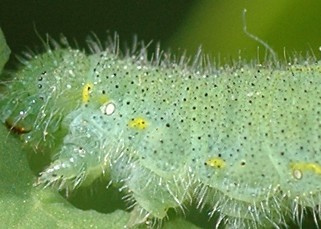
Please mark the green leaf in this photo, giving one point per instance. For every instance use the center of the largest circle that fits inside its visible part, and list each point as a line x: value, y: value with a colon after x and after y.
x: 4, y: 51
x: 25, y: 206
x: 179, y: 223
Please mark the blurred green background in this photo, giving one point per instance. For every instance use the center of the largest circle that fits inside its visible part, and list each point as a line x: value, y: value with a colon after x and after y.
x: 293, y: 25
x: 216, y: 25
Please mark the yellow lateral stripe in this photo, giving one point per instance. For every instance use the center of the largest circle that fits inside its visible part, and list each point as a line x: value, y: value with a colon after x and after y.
x: 138, y: 123
x: 215, y: 162
x: 86, y: 92
x: 304, y: 166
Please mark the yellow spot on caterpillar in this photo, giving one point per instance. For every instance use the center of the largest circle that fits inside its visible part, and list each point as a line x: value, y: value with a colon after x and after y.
x: 86, y: 92
x: 103, y: 99
x: 215, y: 162
x: 138, y: 123
x: 299, y: 167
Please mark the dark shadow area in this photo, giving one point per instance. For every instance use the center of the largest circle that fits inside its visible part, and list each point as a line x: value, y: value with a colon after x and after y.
x: 148, y: 19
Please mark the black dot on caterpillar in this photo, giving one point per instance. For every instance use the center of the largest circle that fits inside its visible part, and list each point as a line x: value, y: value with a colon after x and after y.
x: 241, y: 140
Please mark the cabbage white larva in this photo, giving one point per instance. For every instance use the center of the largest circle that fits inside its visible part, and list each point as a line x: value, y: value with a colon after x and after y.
x: 243, y: 140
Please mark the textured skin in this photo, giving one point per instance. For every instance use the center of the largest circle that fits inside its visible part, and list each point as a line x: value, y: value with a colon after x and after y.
x: 241, y: 140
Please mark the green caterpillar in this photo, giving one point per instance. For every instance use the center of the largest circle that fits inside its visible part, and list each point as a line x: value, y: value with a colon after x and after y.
x: 242, y: 140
